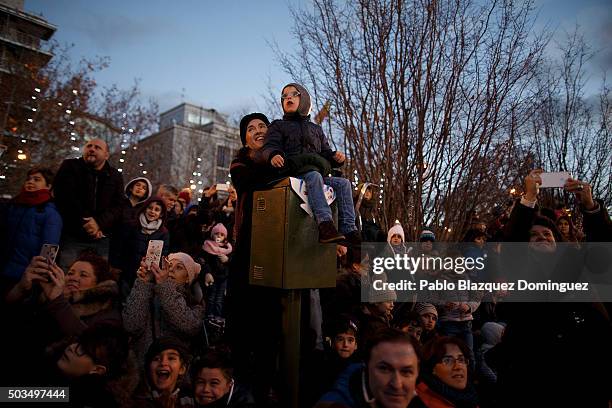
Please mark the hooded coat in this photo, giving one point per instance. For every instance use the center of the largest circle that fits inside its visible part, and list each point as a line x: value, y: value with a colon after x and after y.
x: 136, y: 242
x: 295, y: 134
x: 129, y: 213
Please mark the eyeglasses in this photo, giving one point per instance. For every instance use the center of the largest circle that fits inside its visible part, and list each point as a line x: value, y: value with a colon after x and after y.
x: 450, y: 360
x: 293, y: 94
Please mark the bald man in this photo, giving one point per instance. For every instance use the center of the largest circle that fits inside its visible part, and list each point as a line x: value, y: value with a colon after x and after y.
x: 89, y: 196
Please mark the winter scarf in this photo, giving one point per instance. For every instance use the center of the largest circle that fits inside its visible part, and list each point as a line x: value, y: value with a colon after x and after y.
x: 467, y: 398
x: 149, y: 227
x: 33, y: 198
x: 214, y: 248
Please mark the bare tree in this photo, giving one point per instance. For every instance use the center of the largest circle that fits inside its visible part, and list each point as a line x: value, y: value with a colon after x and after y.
x: 427, y: 98
x: 61, y: 106
x: 570, y: 131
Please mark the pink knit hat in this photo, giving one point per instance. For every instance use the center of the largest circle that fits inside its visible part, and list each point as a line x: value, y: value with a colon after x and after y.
x: 219, y: 228
x: 193, y: 268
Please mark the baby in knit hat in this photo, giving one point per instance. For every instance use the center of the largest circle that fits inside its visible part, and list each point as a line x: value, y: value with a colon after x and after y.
x: 217, y: 252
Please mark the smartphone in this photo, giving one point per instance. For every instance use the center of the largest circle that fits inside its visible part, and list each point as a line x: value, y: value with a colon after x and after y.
x: 222, y: 187
x: 554, y: 180
x: 154, y: 252
x: 49, y: 252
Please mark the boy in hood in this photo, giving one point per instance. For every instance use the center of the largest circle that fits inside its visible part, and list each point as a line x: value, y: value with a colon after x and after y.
x: 138, y: 190
x: 295, y: 134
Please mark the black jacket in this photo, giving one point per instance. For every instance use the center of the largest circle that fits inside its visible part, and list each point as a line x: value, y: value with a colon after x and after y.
x: 81, y: 191
x: 529, y: 357
x: 293, y: 136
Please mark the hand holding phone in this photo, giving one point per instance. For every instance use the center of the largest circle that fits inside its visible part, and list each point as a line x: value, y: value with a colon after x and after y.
x: 37, y: 271
x: 49, y: 252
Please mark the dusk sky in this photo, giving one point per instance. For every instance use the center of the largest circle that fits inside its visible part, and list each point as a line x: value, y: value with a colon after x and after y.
x: 216, y: 53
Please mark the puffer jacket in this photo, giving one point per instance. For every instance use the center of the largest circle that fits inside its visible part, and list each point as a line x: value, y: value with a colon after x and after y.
x: 296, y: 135
x: 27, y: 229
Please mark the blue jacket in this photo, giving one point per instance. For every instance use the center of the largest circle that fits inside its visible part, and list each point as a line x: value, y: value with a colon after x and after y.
x: 27, y: 229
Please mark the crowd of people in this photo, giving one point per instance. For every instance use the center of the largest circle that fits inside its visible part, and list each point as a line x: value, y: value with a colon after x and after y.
x: 190, y: 331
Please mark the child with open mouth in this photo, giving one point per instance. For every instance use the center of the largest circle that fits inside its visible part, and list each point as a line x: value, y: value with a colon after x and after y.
x: 165, y: 364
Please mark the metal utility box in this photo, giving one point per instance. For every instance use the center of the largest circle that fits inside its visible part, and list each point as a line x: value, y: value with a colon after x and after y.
x: 285, y: 248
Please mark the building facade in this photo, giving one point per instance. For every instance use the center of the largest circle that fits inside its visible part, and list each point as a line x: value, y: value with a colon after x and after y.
x: 193, y: 148
x: 22, y: 54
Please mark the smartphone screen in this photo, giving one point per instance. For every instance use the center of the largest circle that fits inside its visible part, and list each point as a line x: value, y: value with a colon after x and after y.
x: 554, y: 180
x: 49, y: 252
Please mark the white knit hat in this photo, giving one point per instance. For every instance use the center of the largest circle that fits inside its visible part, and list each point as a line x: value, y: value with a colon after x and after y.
x: 396, y: 229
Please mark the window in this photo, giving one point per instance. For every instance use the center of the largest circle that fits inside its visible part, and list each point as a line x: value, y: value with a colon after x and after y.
x: 223, y: 156
x: 193, y: 118
x: 198, y: 119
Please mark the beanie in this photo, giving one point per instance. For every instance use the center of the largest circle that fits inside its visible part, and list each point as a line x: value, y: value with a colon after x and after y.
x: 219, y: 228
x: 165, y: 343
x: 422, y: 308
x: 185, y: 196
x: 244, y: 123
x: 193, y: 268
x: 427, y: 235
x: 396, y: 230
